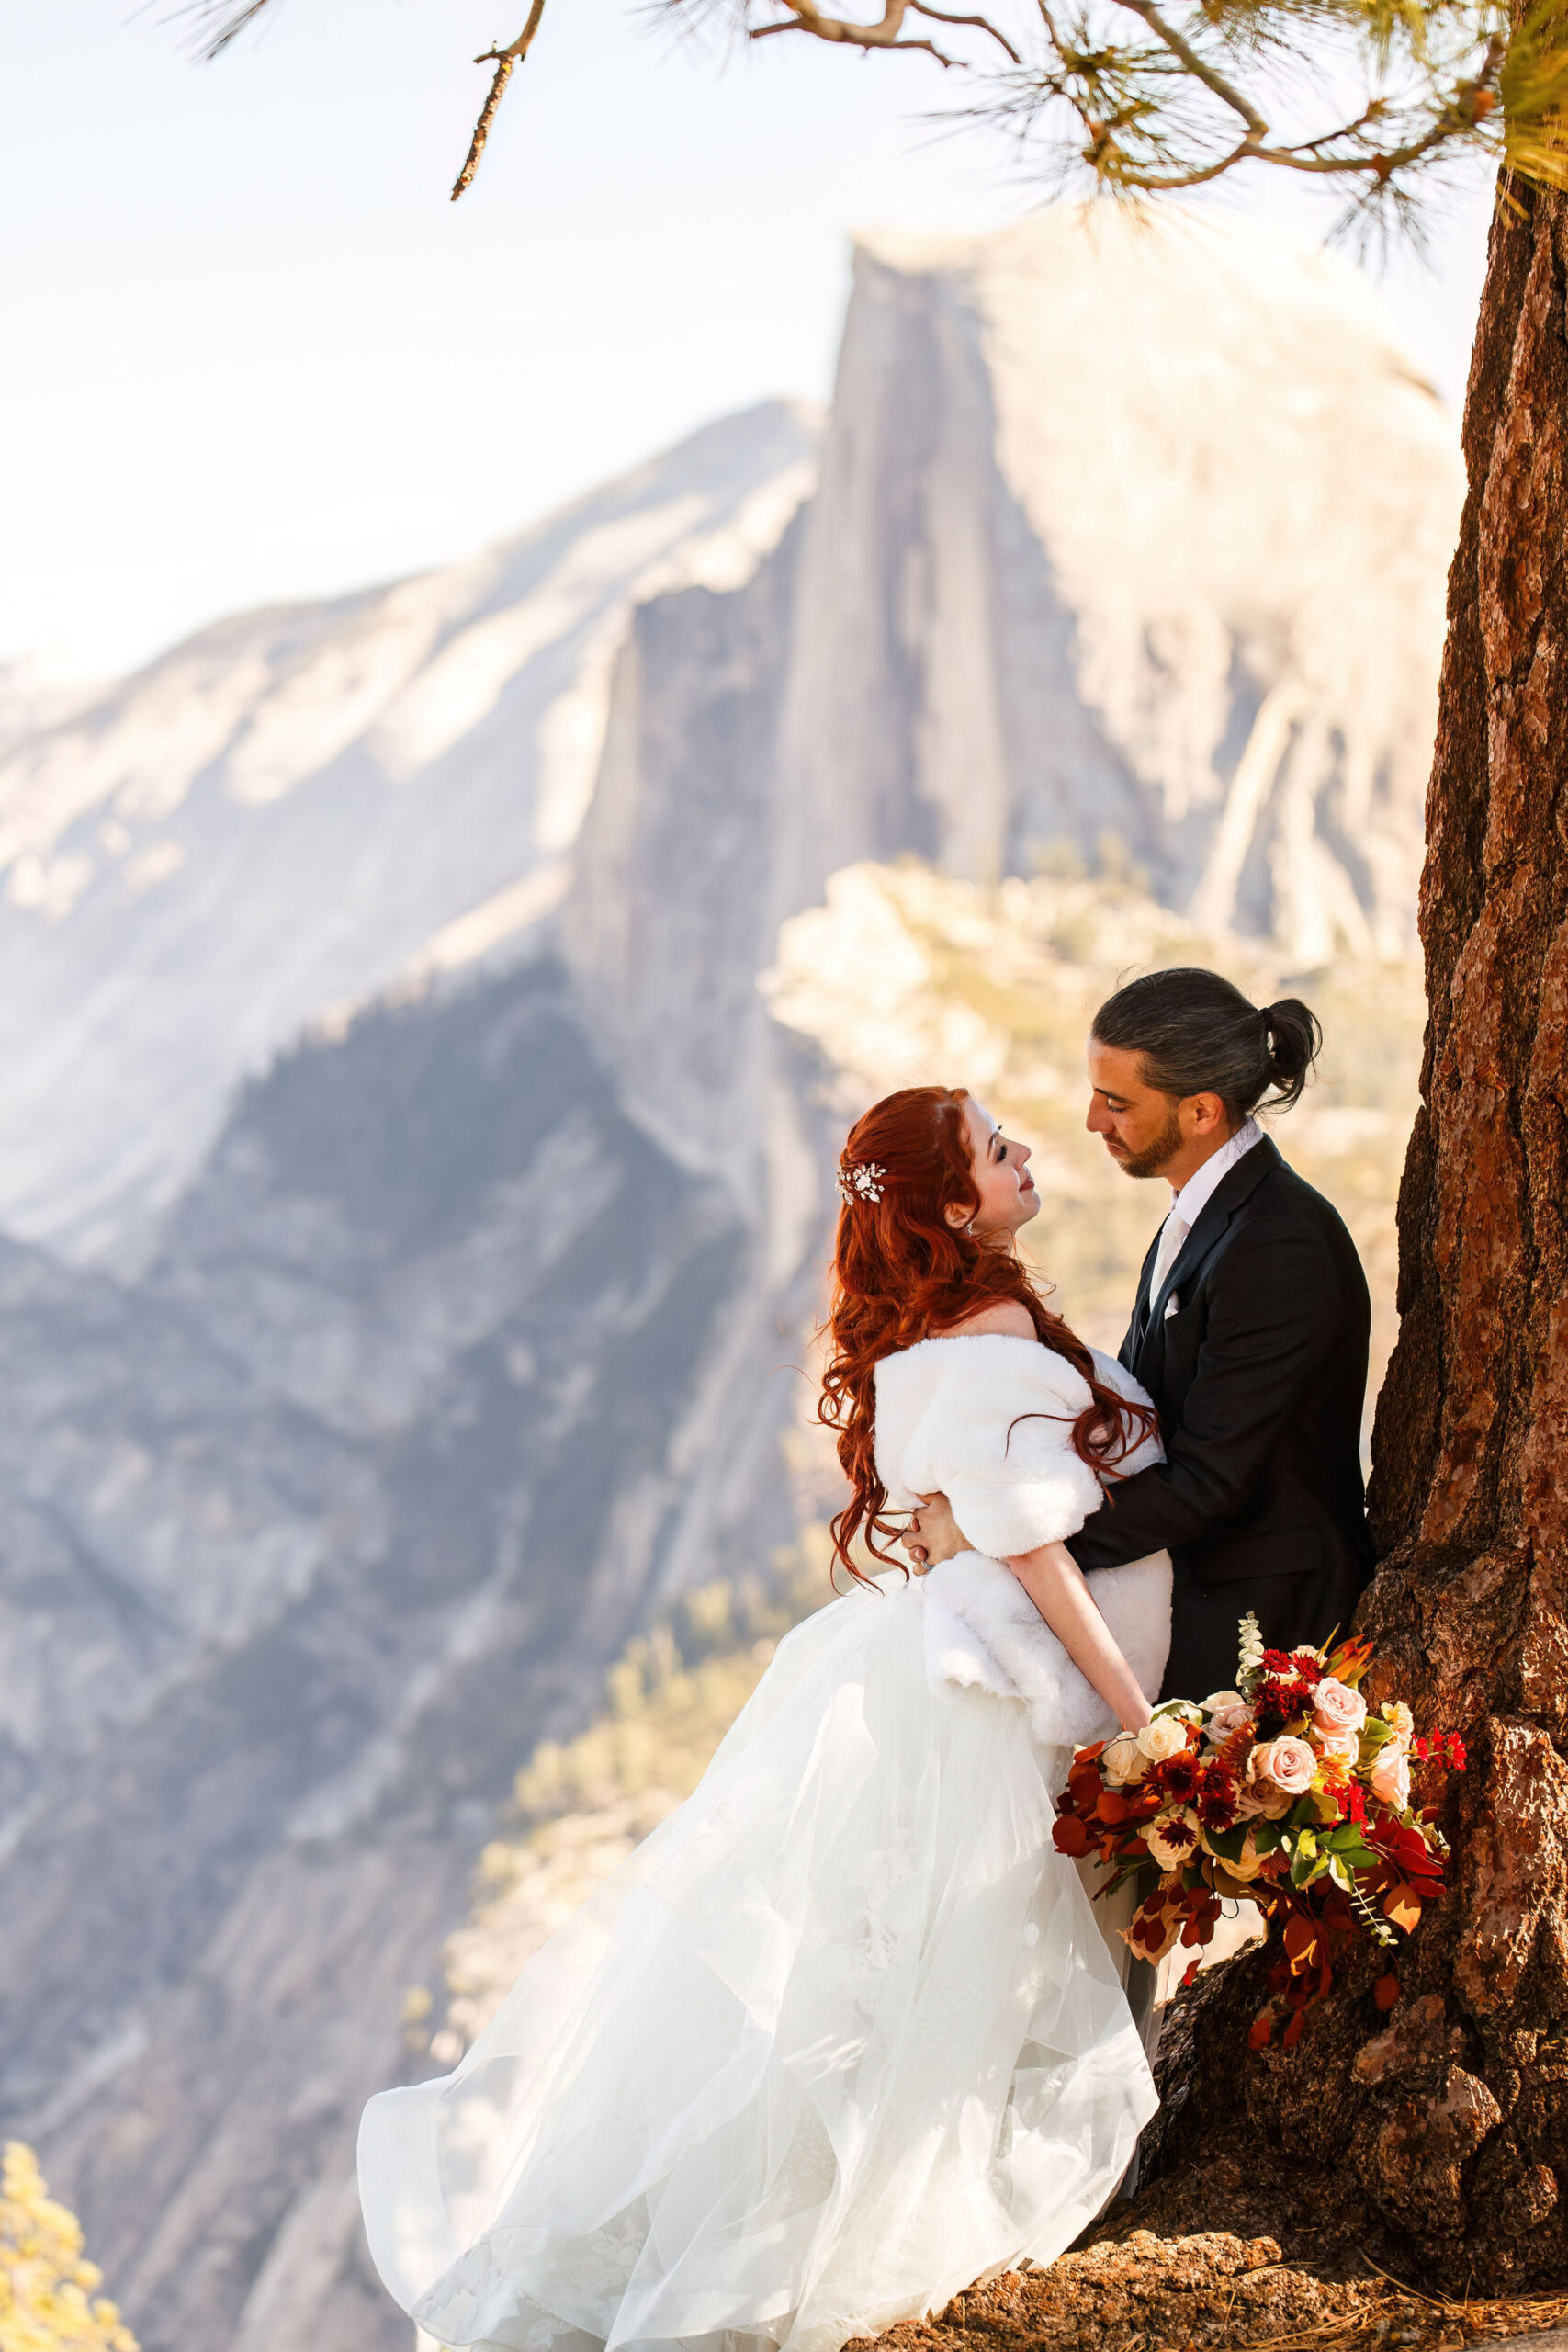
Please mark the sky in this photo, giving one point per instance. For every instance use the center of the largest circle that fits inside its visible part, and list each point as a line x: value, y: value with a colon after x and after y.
x: 255, y: 354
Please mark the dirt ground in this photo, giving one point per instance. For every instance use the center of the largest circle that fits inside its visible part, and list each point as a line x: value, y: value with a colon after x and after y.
x: 1143, y: 2293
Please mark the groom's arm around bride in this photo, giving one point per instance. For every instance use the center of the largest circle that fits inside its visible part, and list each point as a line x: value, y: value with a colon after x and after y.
x: 1250, y: 1331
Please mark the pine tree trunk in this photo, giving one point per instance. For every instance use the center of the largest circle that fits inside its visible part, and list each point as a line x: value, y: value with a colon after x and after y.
x: 1440, y: 2134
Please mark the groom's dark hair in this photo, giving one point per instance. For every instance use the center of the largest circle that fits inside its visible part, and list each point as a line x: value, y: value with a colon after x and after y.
x: 1198, y: 1035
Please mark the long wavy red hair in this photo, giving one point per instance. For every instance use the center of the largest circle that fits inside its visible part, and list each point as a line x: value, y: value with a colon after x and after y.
x: 902, y: 1273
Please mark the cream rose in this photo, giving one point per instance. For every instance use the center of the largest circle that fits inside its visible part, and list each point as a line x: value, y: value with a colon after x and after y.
x: 1390, y: 1777
x: 1123, y: 1761
x: 1172, y: 1838
x: 1344, y: 1745
x: 1336, y: 1708
x: 1162, y: 1738
x: 1289, y: 1763
x: 1250, y: 1863
x: 1400, y: 1721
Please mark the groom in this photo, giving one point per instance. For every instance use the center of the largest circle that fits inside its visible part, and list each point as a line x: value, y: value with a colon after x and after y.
x: 1250, y: 1331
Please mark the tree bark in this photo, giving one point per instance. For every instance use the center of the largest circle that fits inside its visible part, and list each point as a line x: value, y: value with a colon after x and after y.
x: 1439, y: 2135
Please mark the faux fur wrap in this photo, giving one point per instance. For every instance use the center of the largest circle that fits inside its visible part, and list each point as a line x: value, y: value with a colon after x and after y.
x: 984, y: 1633
x: 948, y: 1422
x: 987, y: 1422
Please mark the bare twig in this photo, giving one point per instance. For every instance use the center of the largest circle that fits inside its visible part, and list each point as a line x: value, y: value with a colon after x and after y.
x: 981, y: 24
x: 805, y: 17
x: 506, y: 63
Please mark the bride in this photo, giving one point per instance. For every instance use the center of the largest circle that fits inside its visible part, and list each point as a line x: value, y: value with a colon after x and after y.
x: 841, y: 2036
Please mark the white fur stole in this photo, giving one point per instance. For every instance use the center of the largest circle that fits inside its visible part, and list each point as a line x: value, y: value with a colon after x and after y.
x: 983, y: 1632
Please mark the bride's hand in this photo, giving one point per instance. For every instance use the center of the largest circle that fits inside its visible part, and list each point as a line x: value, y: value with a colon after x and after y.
x: 932, y: 1534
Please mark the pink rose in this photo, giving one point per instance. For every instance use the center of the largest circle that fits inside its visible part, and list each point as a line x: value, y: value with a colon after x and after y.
x: 1225, y: 1722
x: 1390, y: 1777
x: 1262, y: 1802
x: 1336, y: 1708
x: 1345, y: 1745
x: 1289, y: 1763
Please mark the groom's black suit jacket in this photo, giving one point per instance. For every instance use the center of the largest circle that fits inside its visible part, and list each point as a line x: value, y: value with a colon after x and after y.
x: 1260, y: 1373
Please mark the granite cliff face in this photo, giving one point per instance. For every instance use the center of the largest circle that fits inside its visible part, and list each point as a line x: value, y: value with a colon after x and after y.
x: 413, y: 1199
x: 427, y: 1400
x: 301, y: 807
x: 1129, y: 539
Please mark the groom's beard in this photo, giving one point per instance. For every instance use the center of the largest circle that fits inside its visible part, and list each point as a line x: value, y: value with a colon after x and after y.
x: 1159, y: 1153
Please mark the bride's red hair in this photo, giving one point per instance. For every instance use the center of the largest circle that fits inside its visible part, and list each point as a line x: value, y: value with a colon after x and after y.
x: 903, y: 1273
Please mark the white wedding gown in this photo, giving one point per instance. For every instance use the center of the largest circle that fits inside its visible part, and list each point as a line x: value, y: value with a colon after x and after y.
x: 843, y: 2035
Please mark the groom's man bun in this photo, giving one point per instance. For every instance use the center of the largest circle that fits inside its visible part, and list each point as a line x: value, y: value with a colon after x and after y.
x: 1198, y: 1035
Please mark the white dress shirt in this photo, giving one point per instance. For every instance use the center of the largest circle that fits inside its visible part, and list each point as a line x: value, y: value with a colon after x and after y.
x: 1189, y: 1203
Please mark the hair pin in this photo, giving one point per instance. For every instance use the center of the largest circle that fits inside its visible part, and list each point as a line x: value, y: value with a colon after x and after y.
x: 861, y: 1179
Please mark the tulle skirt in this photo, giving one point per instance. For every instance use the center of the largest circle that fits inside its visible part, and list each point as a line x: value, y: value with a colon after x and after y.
x: 839, y: 2039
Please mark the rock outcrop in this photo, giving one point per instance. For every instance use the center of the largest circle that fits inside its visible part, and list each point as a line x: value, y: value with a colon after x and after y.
x: 1130, y: 538
x: 301, y: 807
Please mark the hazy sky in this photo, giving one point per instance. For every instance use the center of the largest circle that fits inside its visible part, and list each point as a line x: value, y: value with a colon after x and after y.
x: 253, y: 353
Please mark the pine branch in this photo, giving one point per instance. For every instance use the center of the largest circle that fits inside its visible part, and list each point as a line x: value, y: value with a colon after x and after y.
x: 1146, y: 107
x: 805, y: 17
x: 1201, y: 70
x: 231, y: 17
x: 982, y: 24
x: 506, y: 64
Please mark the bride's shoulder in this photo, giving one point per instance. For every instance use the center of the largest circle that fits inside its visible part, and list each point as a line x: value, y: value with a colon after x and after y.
x: 994, y: 1357
x: 946, y: 1351
x: 1003, y: 1318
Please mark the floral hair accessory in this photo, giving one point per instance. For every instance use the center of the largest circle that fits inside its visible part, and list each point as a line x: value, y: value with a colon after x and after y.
x: 861, y: 1179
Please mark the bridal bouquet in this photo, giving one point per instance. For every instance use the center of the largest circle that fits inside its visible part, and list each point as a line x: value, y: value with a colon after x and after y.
x: 1285, y: 1791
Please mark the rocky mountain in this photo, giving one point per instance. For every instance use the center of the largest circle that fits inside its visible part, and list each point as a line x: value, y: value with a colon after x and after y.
x: 1130, y: 537
x: 435, y: 1387
x: 414, y: 1193
x: 303, y: 807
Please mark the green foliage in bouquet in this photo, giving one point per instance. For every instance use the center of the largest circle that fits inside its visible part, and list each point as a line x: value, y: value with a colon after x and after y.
x: 1286, y: 1792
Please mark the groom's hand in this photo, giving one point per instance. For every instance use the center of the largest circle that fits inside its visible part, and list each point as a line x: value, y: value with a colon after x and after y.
x: 933, y: 1534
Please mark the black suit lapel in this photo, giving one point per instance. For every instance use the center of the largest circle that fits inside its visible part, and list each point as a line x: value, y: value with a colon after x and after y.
x: 1134, y: 1338
x: 1237, y: 1185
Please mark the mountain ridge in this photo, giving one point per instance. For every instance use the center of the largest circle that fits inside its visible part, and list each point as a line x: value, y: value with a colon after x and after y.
x: 294, y: 802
